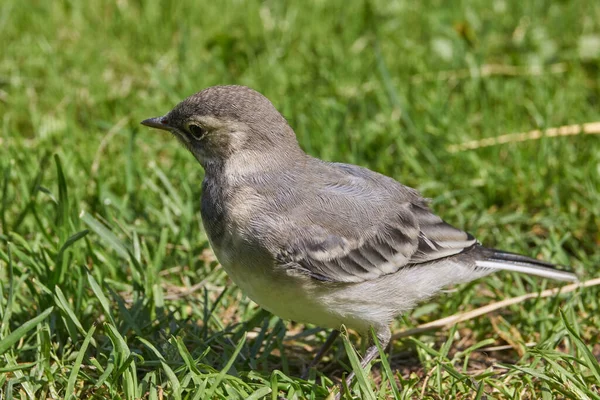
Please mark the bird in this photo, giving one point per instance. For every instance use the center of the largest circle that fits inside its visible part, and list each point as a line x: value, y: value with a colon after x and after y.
x: 320, y: 242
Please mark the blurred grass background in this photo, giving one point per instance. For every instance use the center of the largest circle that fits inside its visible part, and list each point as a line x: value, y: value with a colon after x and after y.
x: 108, y: 289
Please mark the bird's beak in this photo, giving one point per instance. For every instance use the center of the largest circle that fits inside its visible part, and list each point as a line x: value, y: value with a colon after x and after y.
x: 158, y: 123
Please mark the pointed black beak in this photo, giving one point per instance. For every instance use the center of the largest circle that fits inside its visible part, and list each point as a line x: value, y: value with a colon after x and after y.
x: 158, y: 123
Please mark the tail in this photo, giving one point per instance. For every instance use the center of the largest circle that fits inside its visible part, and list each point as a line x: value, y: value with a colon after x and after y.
x: 498, y: 259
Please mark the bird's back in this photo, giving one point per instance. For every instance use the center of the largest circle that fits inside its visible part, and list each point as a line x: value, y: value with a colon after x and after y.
x: 346, y: 199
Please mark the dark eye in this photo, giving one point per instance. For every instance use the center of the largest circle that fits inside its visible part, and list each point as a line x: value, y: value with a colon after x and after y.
x: 196, y: 131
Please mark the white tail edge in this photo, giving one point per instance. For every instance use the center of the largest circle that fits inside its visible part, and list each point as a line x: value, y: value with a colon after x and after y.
x: 529, y: 269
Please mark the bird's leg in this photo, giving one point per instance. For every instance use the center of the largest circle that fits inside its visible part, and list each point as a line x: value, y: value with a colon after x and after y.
x: 383, y: 335
x: 324, y: 349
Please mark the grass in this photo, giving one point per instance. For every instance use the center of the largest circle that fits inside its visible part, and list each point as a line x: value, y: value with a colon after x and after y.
x: 108, y: 288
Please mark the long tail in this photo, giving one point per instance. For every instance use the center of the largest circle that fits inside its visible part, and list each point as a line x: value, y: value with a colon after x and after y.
x: 498, y: 259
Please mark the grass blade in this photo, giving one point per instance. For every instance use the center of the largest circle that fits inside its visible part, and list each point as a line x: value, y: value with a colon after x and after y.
x: 104, y: 303
x: 168, y: 371
x: 65, y: 307
x: 386, y: 365
x: 105, y: 234
x: 77, y: 363
x: 68, y: 243
x: 9, y: 301
x: 18, y: 333
x: 62, y: 216
x: 227, y: 367
x: 361, y: 375
x: 260, y: 393
x: 591, y: 361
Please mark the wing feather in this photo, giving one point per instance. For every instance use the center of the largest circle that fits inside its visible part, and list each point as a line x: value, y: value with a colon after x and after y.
x: 360, y: 225
x: 414, y: 236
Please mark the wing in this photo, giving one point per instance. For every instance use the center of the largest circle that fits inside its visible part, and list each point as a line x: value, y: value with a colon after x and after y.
x: 411, y: 235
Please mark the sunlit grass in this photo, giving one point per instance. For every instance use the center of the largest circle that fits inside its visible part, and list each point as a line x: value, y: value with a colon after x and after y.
x: 107, y: 286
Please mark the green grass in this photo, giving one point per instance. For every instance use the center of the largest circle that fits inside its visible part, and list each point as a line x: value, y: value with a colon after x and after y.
x: 107, y: 286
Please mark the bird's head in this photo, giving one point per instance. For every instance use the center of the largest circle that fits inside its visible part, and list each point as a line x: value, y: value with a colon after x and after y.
x: 221, y: 121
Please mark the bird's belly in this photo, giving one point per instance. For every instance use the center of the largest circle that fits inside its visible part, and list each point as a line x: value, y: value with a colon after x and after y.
x: 287, y: 298
x: 290, y: 297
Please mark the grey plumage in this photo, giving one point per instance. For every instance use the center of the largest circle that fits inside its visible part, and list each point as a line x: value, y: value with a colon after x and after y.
x: 314, y: 241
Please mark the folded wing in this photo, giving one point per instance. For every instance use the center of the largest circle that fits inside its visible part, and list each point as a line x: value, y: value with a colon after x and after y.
x: 411, y: 235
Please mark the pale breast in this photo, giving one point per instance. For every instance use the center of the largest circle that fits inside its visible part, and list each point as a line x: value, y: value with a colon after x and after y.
x: 285, y: 296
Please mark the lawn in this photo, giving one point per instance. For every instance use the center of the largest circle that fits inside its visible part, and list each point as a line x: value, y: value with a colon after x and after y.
x: 108, y: 288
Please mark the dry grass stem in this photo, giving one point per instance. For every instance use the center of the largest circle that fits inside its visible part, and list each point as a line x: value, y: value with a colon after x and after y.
x: 591, y: 128
x: 456, y: 318
x: 491, y: 70
x: 105, y: 140
x: 503, y: 347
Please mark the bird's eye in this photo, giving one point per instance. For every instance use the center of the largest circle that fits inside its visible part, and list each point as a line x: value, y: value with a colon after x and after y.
x: 196, y: 131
